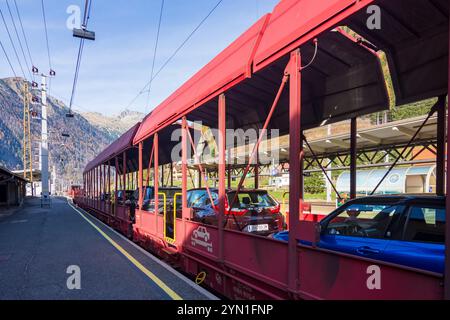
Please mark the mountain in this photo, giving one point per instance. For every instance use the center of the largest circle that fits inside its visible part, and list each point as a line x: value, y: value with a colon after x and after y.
x: 115, y: 125
x: 88, y: 134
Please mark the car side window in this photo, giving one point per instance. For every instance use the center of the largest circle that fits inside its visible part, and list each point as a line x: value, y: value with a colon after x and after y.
x: 425, y: 224
x: 364, y: 220
x: 197, y: 199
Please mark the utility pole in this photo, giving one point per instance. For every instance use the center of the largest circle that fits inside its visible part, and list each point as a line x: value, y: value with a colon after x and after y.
x: 44, y: 144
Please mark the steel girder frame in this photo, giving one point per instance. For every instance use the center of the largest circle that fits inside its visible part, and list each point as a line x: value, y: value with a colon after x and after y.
x: 338, y: 159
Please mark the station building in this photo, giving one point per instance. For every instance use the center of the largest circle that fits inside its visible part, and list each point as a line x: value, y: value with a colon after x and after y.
x: 12, y: 188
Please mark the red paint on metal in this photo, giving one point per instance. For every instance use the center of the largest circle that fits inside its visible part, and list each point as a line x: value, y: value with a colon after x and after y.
x: 230, y: 65
x: 296, y: 171
x: 295, y: 22
x: 447, y: 225
x: 141, y: 200
x: 261, y: 137
x: 247, y: 273
x: 353, y: 157
x: 156, y: 179
x: 222, y: 171
x: 330, y: 275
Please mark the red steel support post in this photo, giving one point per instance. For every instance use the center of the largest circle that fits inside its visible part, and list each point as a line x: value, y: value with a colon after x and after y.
x: 99, y: 186
x: 116, y: 184
x: 222, y: 172
x: 447, y: 225
x: 353, y: 142
x: 295, y: 176
x: 184, y: 174
x: 94, y: 181
x: 156, y: 179
x: 90, y: 185
x: 257, y: 171
x: 124, y: 172
x: 229, y: 173
x: 440, y: 156
x: 109, y: 178
x: 102, y: 179
x: 141, y: 176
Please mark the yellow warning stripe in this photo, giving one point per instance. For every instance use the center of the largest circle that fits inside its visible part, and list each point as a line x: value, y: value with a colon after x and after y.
x: 144, y: 270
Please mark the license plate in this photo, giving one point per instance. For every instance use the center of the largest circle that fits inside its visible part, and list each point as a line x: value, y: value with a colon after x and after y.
x: 258, y: 227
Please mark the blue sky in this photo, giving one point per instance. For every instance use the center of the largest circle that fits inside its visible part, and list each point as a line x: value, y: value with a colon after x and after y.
x: 118, y: 64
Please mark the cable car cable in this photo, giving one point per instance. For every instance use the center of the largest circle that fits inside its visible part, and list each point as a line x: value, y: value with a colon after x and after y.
x: 154, y: 52
x: 175, y: 53
x: 87, y: 14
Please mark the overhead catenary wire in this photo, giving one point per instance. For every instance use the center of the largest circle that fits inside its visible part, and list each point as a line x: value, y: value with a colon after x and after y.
x: 156, y: 49
x: 46, y: 34
x: 12, y: 44
x: 7, y: 58
x: 174, y: 53
x: 18, y: 39
x: 23, y: 32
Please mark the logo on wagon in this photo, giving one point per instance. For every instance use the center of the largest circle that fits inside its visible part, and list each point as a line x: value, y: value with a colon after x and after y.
x: 201, y: 237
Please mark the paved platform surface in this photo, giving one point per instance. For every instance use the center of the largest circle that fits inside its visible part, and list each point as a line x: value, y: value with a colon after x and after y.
x: 38, y: 245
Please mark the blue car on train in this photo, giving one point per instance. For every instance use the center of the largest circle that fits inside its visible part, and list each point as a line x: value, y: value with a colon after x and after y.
x: 406, y: 230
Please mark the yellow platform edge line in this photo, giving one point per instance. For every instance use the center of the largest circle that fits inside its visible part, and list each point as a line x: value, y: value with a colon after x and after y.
x: 172, y: 294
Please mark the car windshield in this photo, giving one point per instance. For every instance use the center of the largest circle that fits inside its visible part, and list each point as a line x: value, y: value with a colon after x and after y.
x: 251, y: 199
x: 363, y: 220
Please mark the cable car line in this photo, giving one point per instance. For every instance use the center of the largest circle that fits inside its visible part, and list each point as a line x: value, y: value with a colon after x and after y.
x: 175, y: 53
x: 12, y: 43
x: 23, y: 32
x: 7, y: 58
x: 46, y: 34
x: 87, y: 14
x: 18, y: 39
x: 155, y: 51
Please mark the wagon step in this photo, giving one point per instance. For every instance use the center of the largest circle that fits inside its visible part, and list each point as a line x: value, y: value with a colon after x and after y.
x: 170, y: 251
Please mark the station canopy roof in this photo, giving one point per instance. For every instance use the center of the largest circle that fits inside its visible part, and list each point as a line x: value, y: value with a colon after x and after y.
x: 7, y: 175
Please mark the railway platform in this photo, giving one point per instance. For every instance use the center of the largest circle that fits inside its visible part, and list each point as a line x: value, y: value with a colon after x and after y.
x: 63, y: 253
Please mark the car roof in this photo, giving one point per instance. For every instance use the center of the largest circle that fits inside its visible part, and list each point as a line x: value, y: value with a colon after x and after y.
x: 426, y: 198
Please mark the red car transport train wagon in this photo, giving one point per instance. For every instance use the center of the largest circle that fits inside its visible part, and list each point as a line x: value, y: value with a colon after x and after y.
x: 305, y: 64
